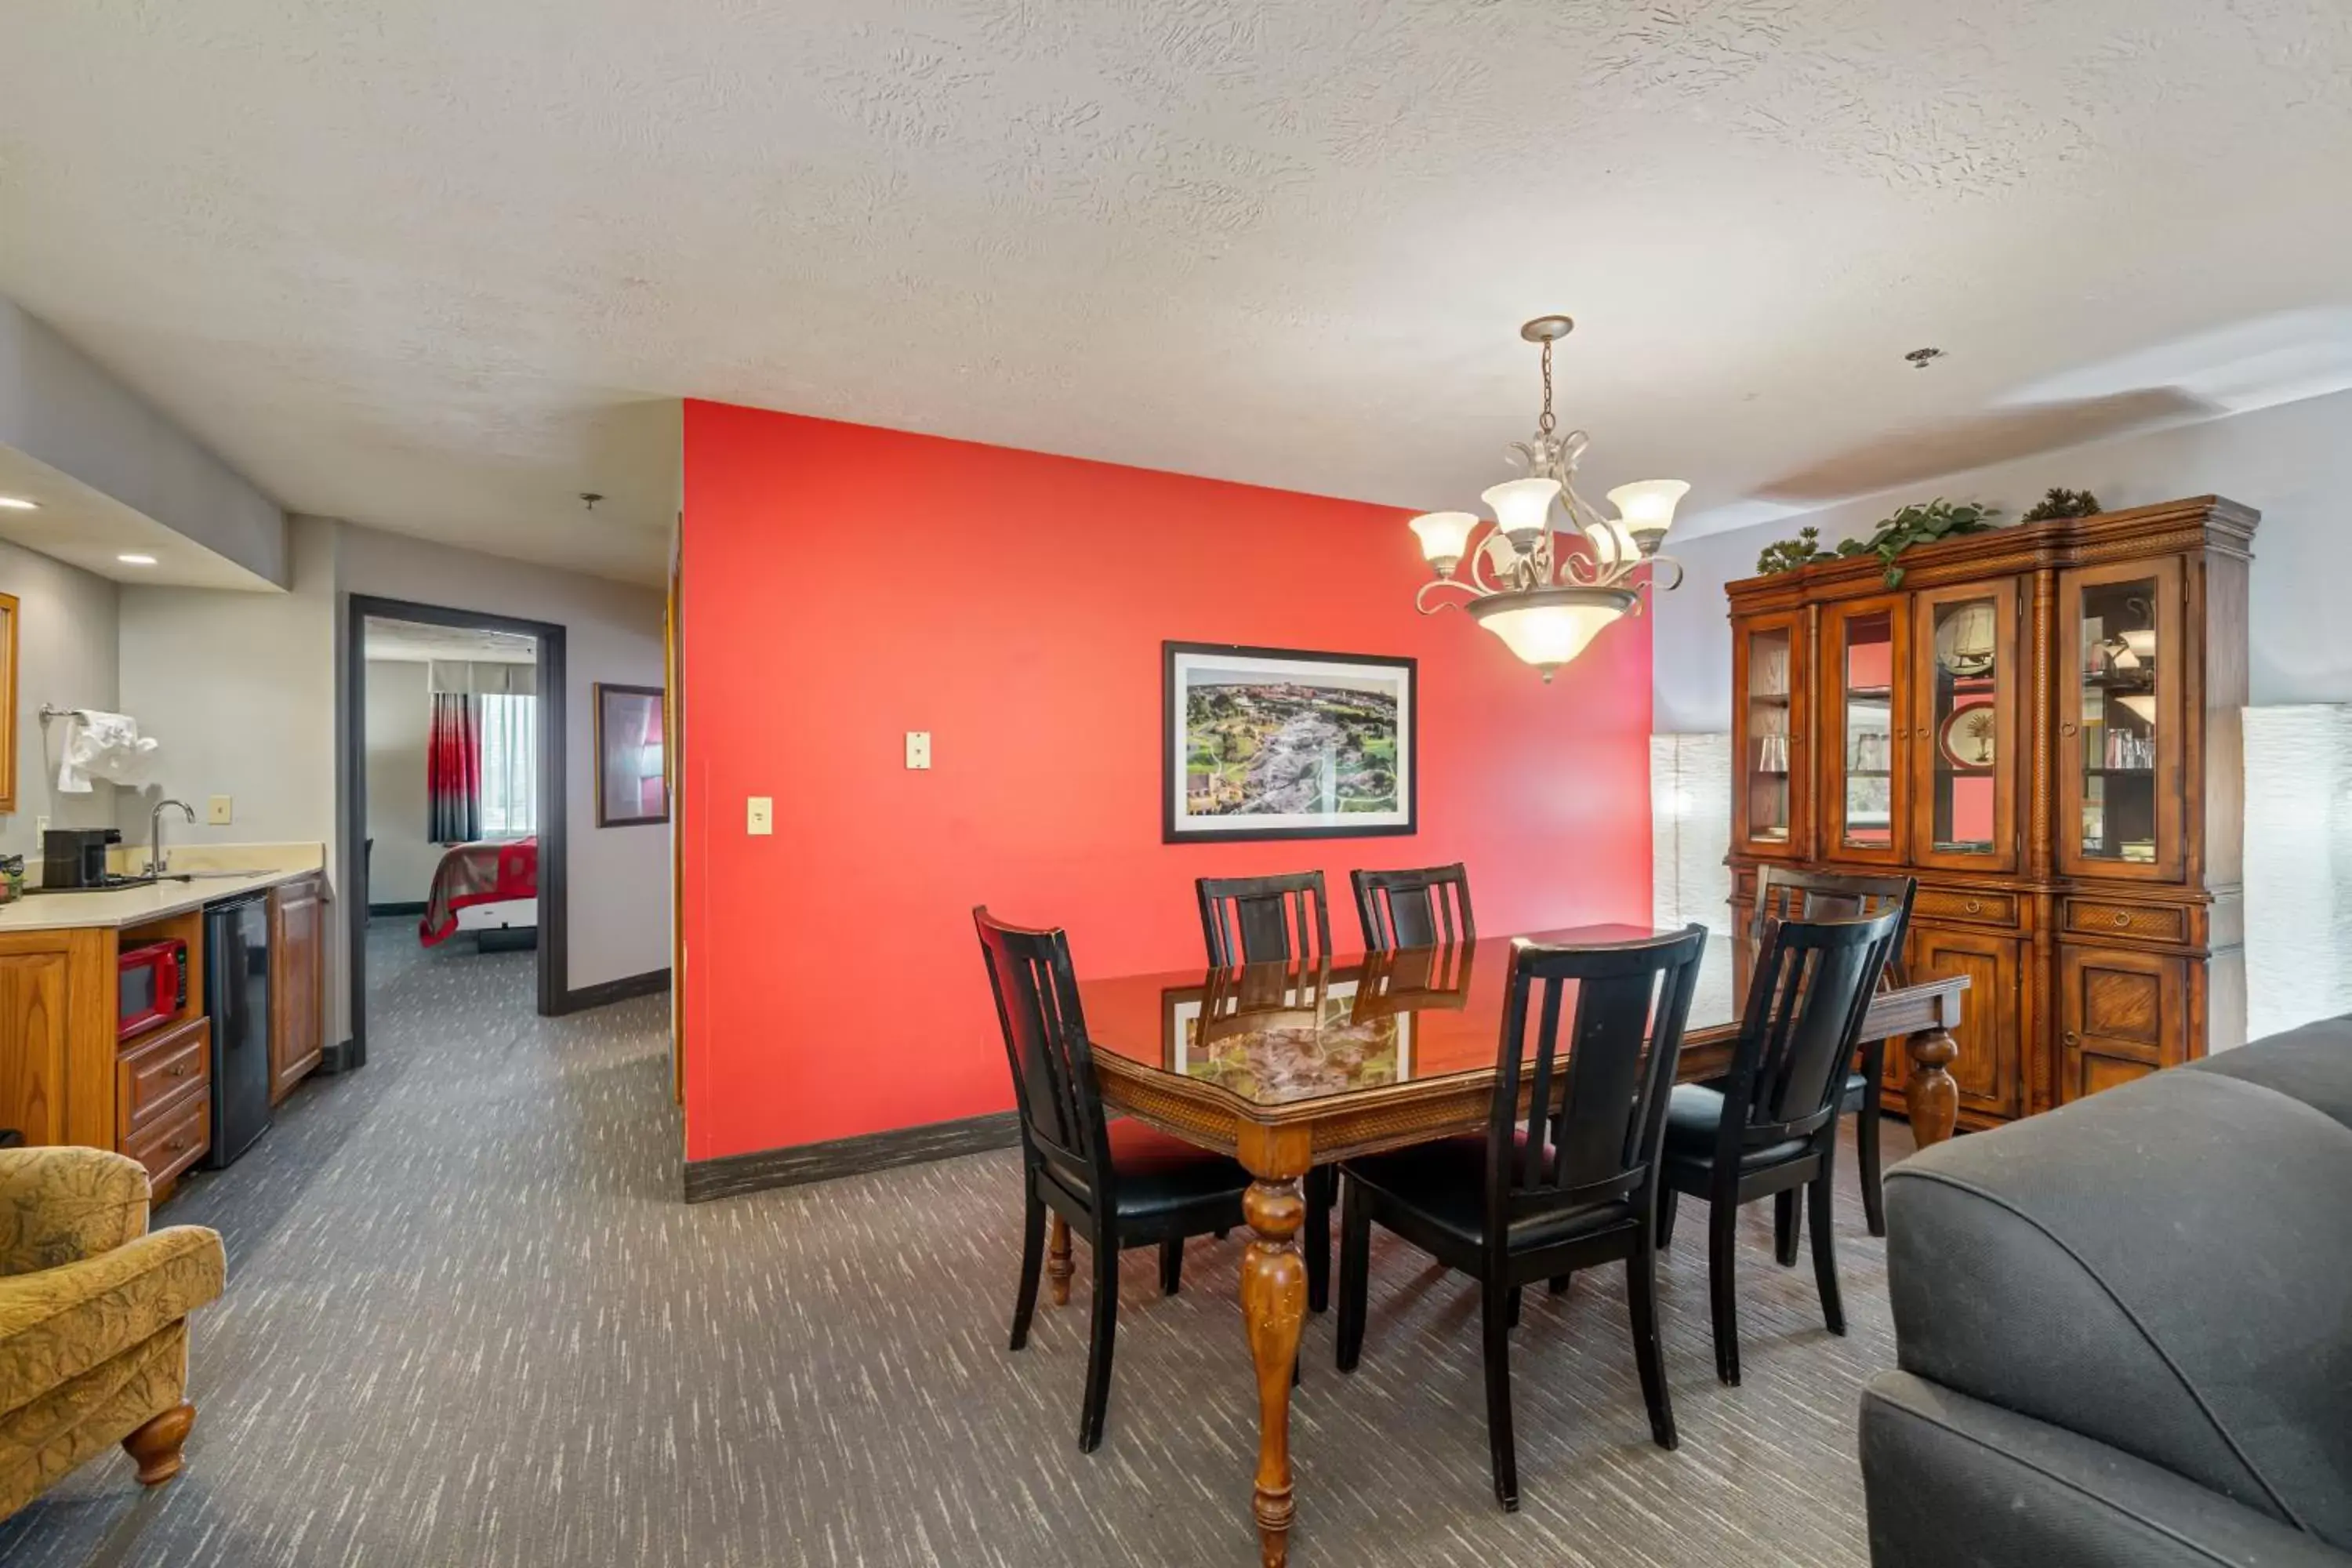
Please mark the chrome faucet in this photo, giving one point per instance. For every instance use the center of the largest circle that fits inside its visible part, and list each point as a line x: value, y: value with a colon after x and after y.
x: 155, y: 833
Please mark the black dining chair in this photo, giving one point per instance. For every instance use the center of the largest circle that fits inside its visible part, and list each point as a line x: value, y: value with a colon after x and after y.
x: 1772, y: 1126
x: 1258, y: 919
x: 1428, y: 907
x: 1783, y: 894
x: 1118, y: 1184
x: 1276, y: 920
x: 1571, y: 1182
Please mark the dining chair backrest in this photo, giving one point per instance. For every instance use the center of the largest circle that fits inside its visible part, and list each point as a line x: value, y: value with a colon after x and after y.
x: 1807, y: 998
x: 1782, y: 894
x: 1263, y: 920
x: 1609, y: 1063
x: 1045, y: 1042
x: 1426, y: 906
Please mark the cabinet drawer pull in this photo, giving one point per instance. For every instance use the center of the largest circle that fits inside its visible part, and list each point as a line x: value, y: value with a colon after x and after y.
x: 1973, y: 907
x: 182, y: 1069
x: 177, y: 1146
x: 2067, y: 728
x: 2123, y: 917
x: 2073, y: 1038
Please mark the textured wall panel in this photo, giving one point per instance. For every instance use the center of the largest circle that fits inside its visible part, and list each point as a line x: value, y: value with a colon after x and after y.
x: 2298, y: 865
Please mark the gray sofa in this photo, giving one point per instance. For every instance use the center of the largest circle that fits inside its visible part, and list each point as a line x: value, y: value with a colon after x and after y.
x: 2125, y: 1327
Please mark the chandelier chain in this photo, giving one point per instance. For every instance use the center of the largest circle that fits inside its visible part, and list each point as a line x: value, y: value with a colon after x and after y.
x: 1547, y: 424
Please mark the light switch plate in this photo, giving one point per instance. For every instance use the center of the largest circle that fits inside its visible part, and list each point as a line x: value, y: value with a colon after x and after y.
x: 761, y: 817
x: 40, y: 829
x: 918, y: 748
x: 221, y: 812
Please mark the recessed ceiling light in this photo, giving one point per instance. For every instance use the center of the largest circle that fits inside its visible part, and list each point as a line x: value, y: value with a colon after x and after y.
x: 18, y: 504
x: 131, y: 558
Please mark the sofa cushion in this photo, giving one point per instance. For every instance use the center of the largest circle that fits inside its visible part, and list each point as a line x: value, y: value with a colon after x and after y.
x: 2314, y: 1063
x: 2166, y: 1267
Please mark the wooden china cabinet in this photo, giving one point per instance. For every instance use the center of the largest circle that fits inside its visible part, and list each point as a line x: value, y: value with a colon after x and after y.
x: 2041, y: 724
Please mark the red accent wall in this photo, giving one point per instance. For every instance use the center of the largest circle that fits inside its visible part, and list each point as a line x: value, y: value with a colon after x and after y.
x: 842, y: 585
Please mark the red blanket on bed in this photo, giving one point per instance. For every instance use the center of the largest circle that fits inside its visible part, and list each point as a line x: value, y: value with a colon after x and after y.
x: 484, y: 873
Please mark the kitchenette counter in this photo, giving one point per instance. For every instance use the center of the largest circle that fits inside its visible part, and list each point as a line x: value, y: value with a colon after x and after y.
x: 136, y: 905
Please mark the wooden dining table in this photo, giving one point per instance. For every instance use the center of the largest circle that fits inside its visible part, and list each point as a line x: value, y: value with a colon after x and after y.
x: 1292, y: 1066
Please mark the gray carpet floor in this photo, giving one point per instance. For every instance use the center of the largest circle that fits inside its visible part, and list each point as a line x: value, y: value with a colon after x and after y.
x: 469, y: 1324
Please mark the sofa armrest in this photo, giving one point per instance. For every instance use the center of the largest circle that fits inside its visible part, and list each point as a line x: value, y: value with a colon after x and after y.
x: 58, y: 1323
x: 61, y: 1203
x: 1954, y: 1482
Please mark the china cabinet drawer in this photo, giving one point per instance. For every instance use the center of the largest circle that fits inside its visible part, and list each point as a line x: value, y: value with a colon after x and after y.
x: 1951, y: 904
x: 176, y: 1139
x: 153, y: 1077
x: 2117, y: 917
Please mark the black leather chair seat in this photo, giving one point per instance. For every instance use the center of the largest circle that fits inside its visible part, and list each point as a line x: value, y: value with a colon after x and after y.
x: 1445, y: 1182
x: 1695, y: 1116
x: 1158, y: 1174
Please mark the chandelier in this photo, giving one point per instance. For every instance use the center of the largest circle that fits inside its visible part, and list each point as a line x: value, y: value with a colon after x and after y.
x: 1548, y: 588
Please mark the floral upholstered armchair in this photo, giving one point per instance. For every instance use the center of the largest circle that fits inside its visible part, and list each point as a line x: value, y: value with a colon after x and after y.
x: 93, y: 1319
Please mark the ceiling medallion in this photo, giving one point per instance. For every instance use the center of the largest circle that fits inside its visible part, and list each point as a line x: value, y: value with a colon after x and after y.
x: 1548, y: 588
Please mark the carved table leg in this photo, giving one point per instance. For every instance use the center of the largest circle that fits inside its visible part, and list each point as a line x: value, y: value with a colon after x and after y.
x: 156, y: 1445
x: 1057, y: 1259
x: 1929, y: 1094
x: 1274, y: 1305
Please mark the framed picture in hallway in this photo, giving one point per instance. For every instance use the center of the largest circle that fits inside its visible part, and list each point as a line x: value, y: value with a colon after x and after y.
x: 1261, y: 743
x: 631, y: 785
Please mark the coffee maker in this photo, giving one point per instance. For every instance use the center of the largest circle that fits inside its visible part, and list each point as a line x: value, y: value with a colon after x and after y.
x: 76, y: 857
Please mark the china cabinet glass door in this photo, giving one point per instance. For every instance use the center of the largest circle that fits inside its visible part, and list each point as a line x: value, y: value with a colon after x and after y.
x: 1768, y: 682
x: 1866, y: 710
x: 1962, y: 742
x: 2120, y: 730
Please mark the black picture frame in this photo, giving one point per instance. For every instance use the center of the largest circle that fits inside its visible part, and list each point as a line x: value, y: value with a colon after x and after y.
x: 1176, y: 827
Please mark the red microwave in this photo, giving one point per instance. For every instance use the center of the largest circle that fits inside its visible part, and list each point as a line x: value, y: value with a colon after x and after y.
x: 152, y: 986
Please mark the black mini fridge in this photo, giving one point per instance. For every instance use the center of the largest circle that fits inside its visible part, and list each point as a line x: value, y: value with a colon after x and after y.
x: 236, y: 999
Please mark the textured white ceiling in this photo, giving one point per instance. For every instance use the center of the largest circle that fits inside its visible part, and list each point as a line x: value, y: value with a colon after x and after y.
x: 435, y: 266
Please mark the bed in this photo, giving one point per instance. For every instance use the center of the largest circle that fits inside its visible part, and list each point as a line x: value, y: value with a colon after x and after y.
x: 490, y: 888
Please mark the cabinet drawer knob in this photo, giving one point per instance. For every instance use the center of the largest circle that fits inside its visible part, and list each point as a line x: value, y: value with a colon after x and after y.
x: 1972, y: 906
x: 2067, y: 728
x: 176, y: 1146
x: 2073, y: 1038
x: 2123, y: 917
x: 182, y: 1069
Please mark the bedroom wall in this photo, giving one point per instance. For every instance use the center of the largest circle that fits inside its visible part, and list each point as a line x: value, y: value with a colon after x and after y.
x: 399, y: 720
x: 833, y: 987
x: 620, y: 876
x: 66, y: 655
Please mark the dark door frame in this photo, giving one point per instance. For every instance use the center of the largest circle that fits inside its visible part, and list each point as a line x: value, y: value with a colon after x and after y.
x: 554, y: 905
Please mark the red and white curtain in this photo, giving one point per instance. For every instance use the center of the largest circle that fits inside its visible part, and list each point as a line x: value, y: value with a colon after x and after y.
x: 453, y: 771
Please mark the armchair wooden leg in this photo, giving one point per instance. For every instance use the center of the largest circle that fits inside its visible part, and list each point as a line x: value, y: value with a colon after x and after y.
x: 156, y: 1445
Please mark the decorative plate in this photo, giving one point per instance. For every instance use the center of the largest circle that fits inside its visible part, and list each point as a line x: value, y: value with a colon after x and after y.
x: 1967, y: 737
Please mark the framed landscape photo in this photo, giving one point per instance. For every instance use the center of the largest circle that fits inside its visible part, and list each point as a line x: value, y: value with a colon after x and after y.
x: 1262, y: 742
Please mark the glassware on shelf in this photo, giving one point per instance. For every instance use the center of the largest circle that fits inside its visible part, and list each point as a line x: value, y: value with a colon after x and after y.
x: 2120, y: 723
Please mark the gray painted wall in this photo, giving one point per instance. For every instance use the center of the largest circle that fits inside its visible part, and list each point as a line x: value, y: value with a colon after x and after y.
x: 399, y: 721
x: 2291, y: 462
x: 66, y: 655
x: 60, y: 407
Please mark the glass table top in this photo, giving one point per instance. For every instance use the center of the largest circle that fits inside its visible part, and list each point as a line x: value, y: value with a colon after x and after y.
x: 1276, y: 1034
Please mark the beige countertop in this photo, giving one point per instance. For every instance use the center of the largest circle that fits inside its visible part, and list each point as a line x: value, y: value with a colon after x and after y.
x: 219, y: 877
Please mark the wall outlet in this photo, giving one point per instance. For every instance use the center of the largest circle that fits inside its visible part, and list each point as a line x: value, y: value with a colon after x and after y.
x: 918, y: 748
x: 221, y: 811
x: 760, y: 820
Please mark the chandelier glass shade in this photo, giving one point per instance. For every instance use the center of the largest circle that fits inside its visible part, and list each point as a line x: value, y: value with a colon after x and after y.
x: 1545, y: 583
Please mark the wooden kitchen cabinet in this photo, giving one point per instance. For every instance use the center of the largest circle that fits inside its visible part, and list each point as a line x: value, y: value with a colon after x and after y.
x: 297, y: 993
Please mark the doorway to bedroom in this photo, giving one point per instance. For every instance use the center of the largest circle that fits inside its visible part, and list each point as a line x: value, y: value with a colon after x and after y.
x: 455, y: 764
